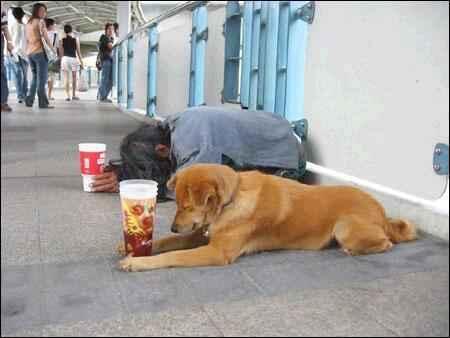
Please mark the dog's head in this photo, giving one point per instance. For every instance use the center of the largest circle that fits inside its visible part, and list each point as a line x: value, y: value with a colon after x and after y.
x: 202, y: 191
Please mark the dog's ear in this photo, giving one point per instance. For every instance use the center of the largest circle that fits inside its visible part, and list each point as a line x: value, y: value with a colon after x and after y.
x: 172, y: 182
x: 209, y: 197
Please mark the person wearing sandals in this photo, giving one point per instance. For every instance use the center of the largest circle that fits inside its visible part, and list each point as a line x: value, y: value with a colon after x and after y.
x: 35, y: 32
x: 70, y: 49
x: 19, y: 56
x: 5, y: 39
x: 54, y: 67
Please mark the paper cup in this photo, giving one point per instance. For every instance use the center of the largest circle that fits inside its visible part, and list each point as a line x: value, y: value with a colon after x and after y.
x: 138, y: 200
x: 92, y: 162
x: 87, y: 180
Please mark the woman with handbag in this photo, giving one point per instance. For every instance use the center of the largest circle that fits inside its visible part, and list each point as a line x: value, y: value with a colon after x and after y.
x: 39, y: 52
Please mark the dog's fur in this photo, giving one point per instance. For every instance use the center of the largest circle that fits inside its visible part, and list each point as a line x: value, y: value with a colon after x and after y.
x: 247, y: 212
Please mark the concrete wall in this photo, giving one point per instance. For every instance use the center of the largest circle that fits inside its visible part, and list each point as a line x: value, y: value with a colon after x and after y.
x: 376, y: 91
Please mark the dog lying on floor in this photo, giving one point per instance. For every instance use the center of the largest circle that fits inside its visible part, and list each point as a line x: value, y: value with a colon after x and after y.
x: 222, y: 215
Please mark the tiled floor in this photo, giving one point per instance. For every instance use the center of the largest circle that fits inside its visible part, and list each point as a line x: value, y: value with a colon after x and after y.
x: 58, y: 259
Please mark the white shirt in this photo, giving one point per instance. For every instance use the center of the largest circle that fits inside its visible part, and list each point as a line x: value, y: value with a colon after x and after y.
x: 19, y: 40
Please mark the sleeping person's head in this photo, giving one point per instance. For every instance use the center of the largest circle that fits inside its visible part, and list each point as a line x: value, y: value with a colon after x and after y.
x: 145, y: 154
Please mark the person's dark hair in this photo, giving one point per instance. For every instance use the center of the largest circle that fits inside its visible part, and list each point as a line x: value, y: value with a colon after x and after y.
x: 67, y: 29
x: 139, y: 158
x: 116, y: 26
x: 49, y: 22
x: 107, y: 25
x: 18, y: 13
x: 35, y: 10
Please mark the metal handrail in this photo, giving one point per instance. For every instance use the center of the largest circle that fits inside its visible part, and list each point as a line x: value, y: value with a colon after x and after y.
x: 188, y: 5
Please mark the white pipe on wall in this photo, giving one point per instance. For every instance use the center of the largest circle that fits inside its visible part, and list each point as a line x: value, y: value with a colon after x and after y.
x: 440, y: 205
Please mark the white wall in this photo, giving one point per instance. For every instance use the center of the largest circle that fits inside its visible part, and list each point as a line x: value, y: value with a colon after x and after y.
x: 173, y: 64
x: 140, y: 70
x: 376, y: 91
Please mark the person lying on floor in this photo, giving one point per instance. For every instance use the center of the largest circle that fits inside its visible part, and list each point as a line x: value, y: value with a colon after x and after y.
x: 241, y: 139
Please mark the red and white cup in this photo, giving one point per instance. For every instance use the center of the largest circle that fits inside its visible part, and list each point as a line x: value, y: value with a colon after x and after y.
x: 92, y: 162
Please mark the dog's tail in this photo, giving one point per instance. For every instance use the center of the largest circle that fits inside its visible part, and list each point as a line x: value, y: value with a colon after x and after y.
x: 399, y: 230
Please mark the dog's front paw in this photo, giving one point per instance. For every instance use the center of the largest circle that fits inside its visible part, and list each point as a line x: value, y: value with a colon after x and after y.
x: 127, y: 264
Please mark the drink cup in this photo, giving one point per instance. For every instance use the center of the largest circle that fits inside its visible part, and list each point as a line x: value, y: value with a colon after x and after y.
x: 138, y: 200
x: 92, y: 162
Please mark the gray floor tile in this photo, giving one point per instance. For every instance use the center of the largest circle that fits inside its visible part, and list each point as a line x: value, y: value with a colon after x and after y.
x: 21, y: 304
x: 79, y: 291
x: 411, y: 305
x: 177, y: 322
x: 304, y: 313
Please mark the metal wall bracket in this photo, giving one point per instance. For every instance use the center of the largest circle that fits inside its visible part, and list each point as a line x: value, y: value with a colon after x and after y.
x: 301, y: 128
x: 203, y: 35
x: 306, y: 13
x: 440, y: 159
x: 151, y: 100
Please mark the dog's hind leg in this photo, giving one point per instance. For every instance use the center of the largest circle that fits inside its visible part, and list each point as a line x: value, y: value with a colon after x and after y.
x: 360, y: 237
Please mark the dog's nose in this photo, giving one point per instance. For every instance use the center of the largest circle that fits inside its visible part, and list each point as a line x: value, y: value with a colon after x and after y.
x: 174, y: 228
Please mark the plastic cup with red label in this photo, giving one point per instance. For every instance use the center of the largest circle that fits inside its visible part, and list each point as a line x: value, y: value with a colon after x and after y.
x: 138, y: 199
x: 92, y: 162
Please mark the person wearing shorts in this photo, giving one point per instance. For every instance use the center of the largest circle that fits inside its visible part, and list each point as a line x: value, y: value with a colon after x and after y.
x: 70, y: 49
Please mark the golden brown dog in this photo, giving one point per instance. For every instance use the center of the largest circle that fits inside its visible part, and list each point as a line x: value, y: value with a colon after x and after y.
x: 222, y: 214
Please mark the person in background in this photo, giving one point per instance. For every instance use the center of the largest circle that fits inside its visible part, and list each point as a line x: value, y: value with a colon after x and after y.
x: 116, y: 31
x: 54, y: 68
x: 35, y: 31
x: 19, y: 55
x: 5, y: 38
x: 105, y: 47
x: 69, y: 48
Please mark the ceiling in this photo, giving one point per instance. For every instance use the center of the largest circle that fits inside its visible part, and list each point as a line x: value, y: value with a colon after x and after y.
x: 84, y: 16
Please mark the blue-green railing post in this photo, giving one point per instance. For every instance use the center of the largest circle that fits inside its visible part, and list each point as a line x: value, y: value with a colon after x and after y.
x: 89, y: 77
x: 130, y: 73
x: 193, y: 61
x: 246, y: 54
x: 232, y: 32
x: 119, y: 74
x: 295, y: 76
x: 198, y: 50
x: 152, y: 69
x: 282, y: 51
x: 270, y: 66
x: 254, y: 63
x: 115, y: 67
x: 262, y: 53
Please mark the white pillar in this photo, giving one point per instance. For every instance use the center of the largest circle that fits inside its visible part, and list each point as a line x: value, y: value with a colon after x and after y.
x: 124, y: 17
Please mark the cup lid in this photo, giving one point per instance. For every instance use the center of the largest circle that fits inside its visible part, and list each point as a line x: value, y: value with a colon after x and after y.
x: 138, y: 189
x: 92, y: 147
